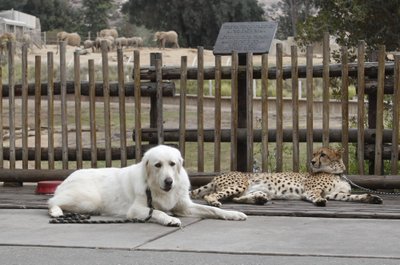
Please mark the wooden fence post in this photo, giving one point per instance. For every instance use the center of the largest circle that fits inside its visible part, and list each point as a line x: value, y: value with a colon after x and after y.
x: 249, y: 112
x: 395, y: 118
x: 106, y: 98
x: 279, y: 107
x: 138, y: 113
x: 92, y: 114
x: 78, y: 123
x: 121, y: 97
x: 217, y: 119
x: 200, y: 110
x: 24, y: 111
x: 159, y: 105
x: 264, y: 113
x: 64, y: 115
x: 11, y: 97
x: 379, y: 111
x: 50, y: 107
x: 38, y: 143
x: 234, y: 111
x: 310, y: 99
x: 360, y: 106
x: 325, y: 91
x: 182, y: 106
x: 345, y: 107
x: 295, y: 110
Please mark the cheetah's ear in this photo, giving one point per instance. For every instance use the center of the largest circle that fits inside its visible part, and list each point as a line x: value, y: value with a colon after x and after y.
x: 339, y: 151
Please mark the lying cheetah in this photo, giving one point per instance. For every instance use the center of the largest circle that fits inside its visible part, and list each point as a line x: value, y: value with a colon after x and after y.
x: 325, y: 183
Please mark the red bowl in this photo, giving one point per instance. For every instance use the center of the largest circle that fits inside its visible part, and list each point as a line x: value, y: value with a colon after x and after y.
x: 47, y: 187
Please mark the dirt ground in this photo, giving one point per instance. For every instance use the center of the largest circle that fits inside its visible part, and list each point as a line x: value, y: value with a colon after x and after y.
x: 170, y: 56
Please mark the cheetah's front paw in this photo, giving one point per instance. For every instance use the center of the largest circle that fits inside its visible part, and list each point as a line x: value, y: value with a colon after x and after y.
x: 320, y: 202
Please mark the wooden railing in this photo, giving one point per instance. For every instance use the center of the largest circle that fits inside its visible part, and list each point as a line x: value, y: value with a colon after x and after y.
x: 123, y: 121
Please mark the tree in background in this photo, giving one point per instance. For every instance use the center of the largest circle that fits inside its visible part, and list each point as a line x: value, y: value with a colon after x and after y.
x: 96, y: 15
x: 376, y: 22
x: 53, y: 14
x: 7, y: 4
x: 196, y: 22
x: 288, y: 14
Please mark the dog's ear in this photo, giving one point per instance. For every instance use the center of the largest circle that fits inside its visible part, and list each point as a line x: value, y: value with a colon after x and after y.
x: 180, y: 164
x: 146, y: 164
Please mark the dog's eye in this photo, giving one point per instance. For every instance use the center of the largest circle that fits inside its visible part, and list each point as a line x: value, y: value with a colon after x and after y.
x: 172, y: 164
x: 158, y: 165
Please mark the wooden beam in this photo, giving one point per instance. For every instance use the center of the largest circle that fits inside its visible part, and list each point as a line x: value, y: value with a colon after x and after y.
x: 335, y: 70
x: 147, y: 89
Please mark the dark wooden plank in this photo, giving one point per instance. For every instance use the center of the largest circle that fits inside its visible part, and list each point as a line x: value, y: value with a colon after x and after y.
x: 360, y: 106
x: 325, y: 90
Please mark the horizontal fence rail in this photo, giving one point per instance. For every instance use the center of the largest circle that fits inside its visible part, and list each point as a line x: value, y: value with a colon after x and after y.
x: 53, y: 127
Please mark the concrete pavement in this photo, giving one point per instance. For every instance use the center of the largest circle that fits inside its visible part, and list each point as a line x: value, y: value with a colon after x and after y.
x: 26, y: 237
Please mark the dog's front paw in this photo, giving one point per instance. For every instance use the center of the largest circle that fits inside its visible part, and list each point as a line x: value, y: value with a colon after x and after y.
x: 235, y: 216
x: 175, y: 222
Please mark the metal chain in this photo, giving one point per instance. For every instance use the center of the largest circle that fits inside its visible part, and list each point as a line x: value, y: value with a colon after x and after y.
x: 369, y: 190
x: 75, y: 218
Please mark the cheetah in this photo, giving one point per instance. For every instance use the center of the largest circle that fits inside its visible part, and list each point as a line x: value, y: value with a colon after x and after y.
x: 324, y: 183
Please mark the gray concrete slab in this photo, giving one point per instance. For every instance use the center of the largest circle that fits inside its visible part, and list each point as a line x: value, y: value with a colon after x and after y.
x: 288, y: 236
x: 26, y: 237
x: 31, y: 227
x: 19, y: 255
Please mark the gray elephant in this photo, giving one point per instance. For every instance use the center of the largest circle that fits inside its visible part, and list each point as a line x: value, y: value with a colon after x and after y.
x: 87, y: 44
x: 164, y: 37
x: 135, y: 42
x: 72, y: 39
x: 121, y: 42
x: 109, y: 40
x: 108, y: 32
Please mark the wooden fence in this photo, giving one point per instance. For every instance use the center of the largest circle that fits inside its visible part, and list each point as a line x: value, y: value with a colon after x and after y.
x: 121, y: 120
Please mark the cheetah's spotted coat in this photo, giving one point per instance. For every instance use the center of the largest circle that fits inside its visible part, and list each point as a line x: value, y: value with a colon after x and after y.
x: 325, y: 183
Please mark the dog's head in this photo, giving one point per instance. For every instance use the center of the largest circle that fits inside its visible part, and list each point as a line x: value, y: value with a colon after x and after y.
x: 163, y: 166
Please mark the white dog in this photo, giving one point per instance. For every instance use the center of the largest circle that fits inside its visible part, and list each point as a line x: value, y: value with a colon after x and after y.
x: 122, y: 191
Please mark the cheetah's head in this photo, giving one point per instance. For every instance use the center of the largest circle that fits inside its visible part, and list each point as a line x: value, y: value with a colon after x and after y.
x: 327, y: 160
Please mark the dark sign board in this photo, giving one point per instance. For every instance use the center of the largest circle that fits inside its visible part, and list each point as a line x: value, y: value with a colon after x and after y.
x: 244, y: 37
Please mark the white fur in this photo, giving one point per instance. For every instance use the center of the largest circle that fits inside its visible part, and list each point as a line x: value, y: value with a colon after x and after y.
x: 122, y: 191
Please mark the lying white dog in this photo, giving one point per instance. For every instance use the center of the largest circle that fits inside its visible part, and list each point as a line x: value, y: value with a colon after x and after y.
x: 122, y: 191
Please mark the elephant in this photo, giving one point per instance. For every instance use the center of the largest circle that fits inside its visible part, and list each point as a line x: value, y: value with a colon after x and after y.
x: 163, y: 37
x: 72, y: 39
x: 108, y: 32
x: 135, y: 42
x: 109, y: 40
x: 87, y: 44
x: 121, y: 42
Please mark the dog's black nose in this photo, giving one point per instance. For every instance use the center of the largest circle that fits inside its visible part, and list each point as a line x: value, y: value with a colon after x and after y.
x: 168, y: 182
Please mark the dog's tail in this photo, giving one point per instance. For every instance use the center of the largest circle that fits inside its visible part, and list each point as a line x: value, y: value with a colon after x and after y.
x: 202, y: 191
